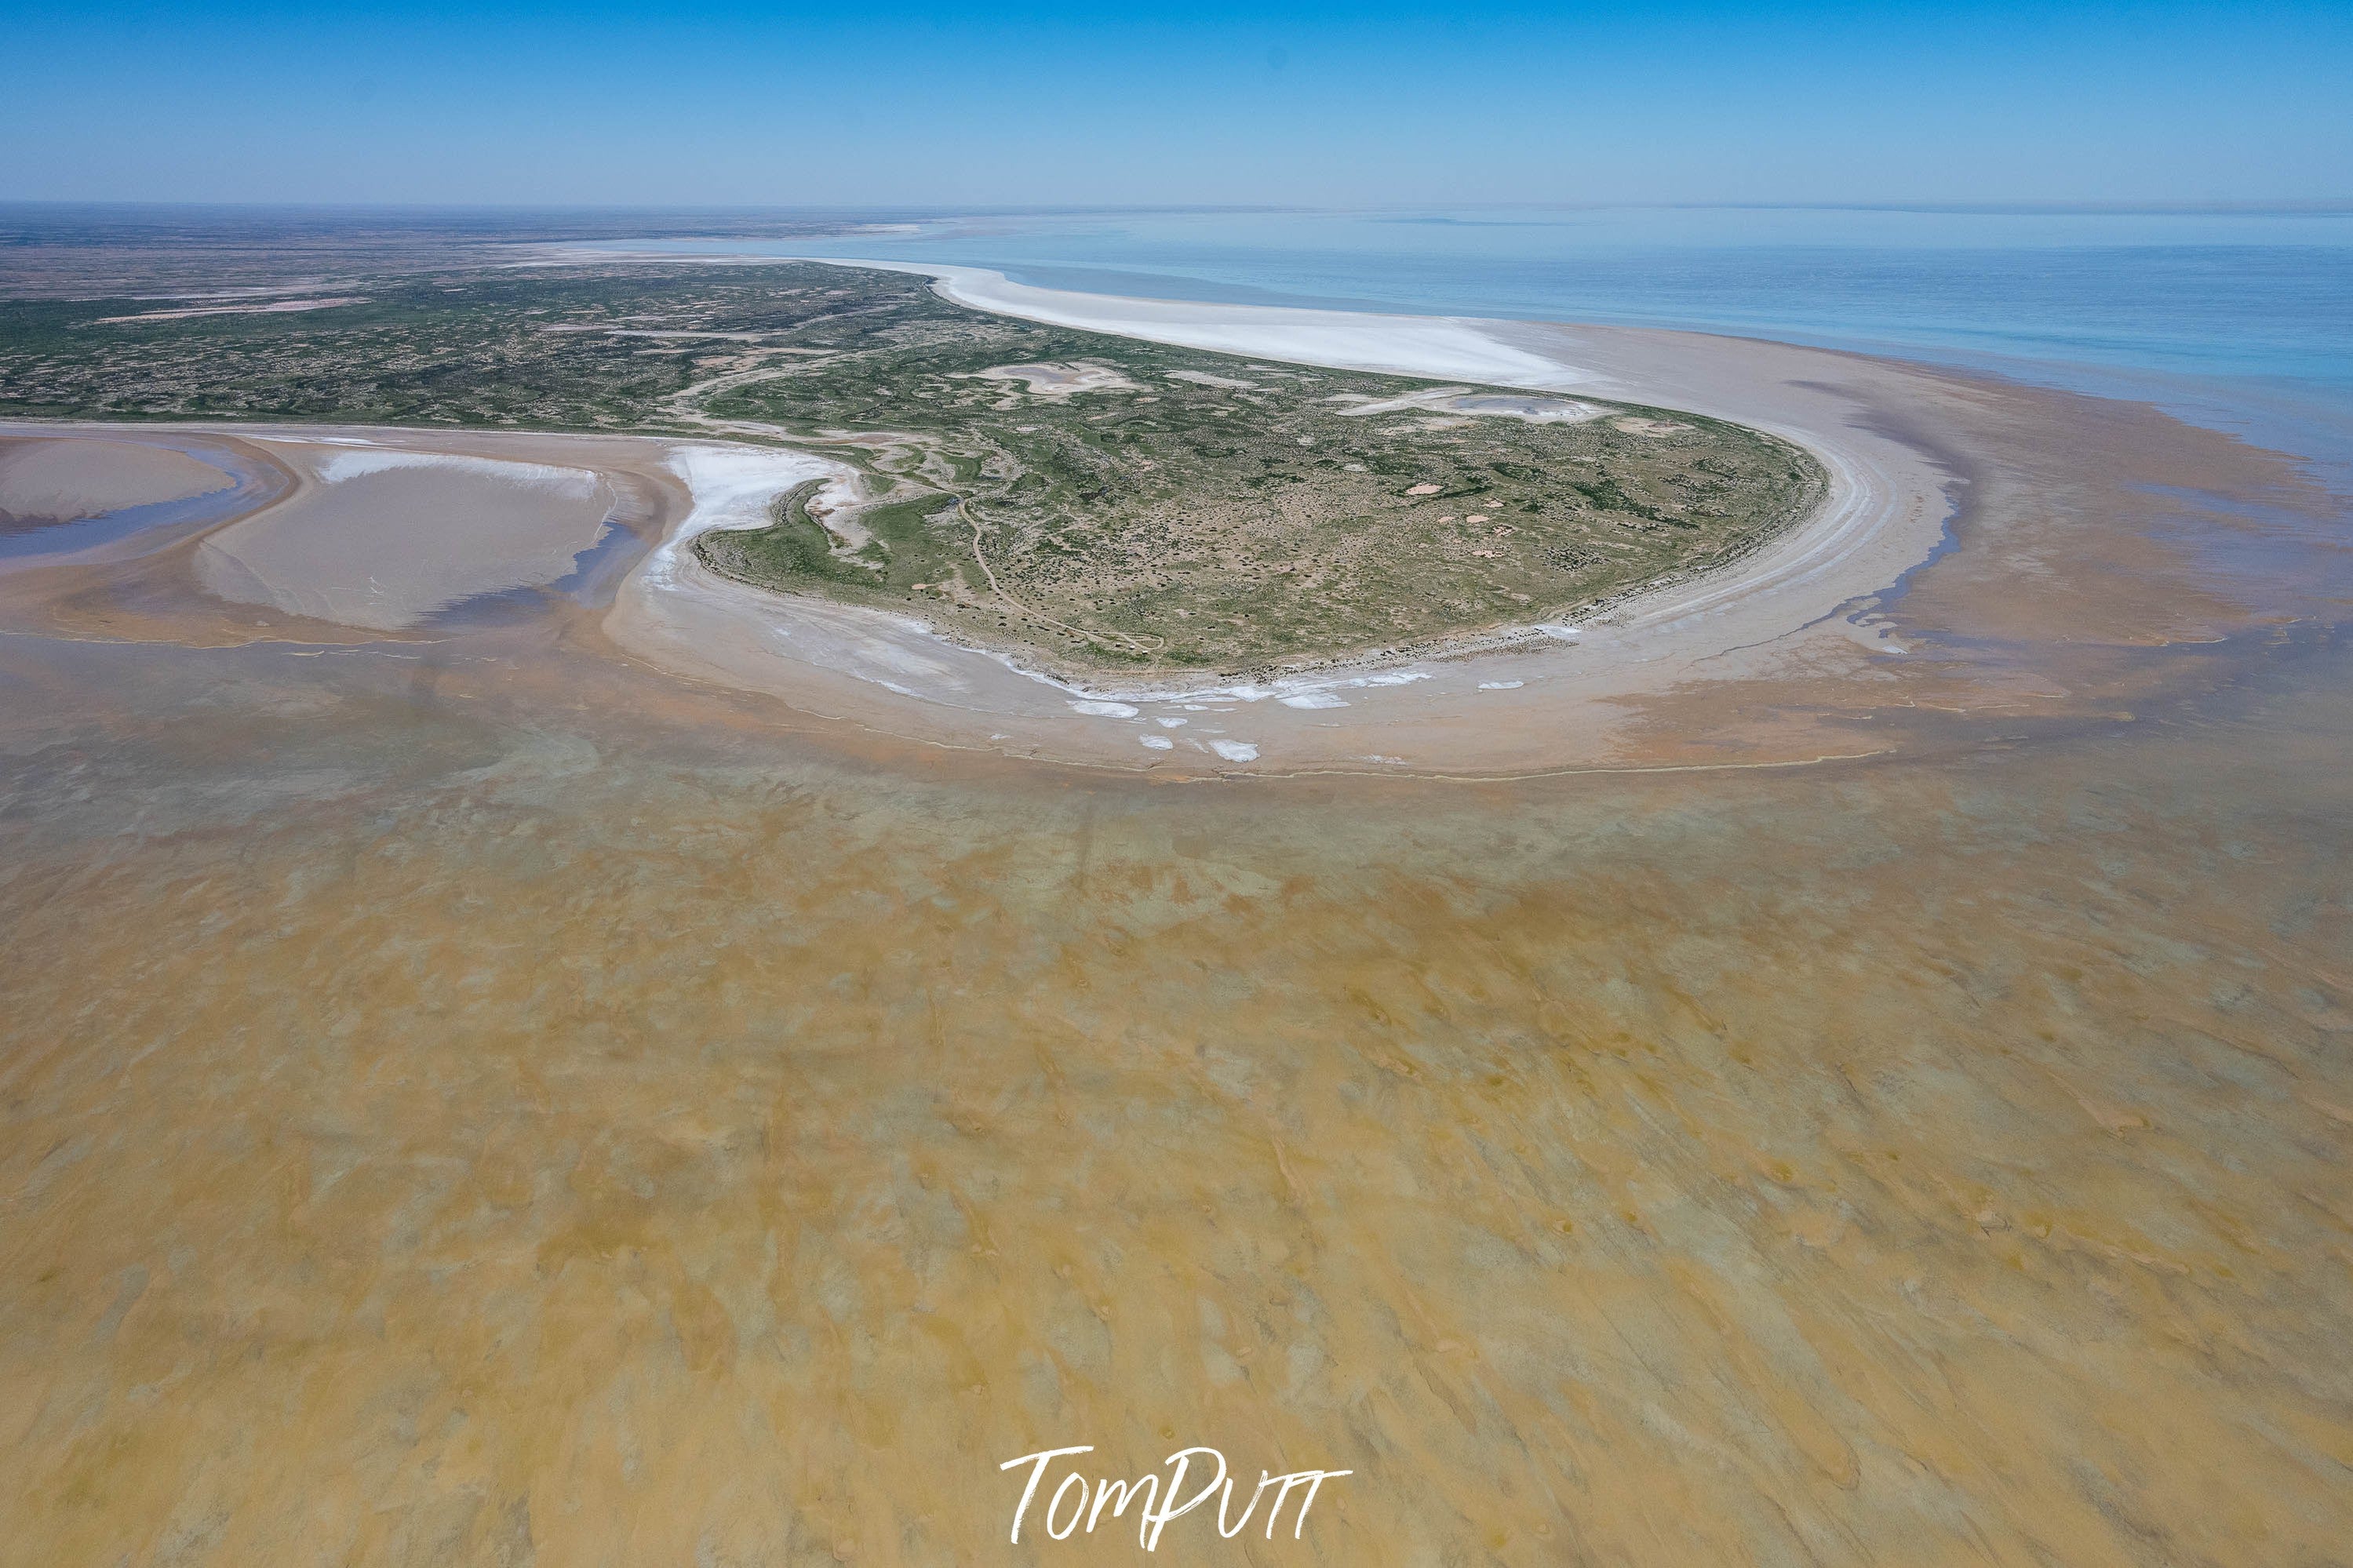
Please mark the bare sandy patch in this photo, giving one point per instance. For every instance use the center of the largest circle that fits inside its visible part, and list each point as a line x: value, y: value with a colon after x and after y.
x: 275, y: 308
x: 1203, y: 378
x: 1655, y: 429
x: 64, y: 477
x: 561, y: 328
x: 1060, y: 381
x: 1527, y: 407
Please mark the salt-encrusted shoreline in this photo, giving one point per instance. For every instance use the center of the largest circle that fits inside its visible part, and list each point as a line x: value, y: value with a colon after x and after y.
x: 1883, y: 510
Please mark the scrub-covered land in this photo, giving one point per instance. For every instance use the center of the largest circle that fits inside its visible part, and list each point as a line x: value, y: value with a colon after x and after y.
x: 1103, y: 502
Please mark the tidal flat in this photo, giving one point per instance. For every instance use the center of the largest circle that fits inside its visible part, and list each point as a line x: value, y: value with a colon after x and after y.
x: 475, y: 1094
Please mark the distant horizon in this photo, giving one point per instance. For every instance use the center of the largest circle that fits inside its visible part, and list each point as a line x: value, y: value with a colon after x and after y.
x: 2322, y: 206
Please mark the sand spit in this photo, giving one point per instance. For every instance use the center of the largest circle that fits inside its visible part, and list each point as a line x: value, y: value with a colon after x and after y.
x: 1885, y: 512
x: 58, y: 478
x: 1799, y: 650
x: 1443, y: 346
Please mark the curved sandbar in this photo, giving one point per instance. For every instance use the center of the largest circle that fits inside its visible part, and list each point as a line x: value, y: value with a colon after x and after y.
x: 1535, y: 699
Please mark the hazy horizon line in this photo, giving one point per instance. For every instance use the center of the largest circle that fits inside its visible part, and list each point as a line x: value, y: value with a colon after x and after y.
x: 2317, y: 205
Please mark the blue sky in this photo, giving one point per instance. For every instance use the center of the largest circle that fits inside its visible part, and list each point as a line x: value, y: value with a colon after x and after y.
x: 921, y: 104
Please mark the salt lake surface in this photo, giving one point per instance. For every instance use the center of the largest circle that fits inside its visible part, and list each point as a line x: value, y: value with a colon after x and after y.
x: 474, y: 1098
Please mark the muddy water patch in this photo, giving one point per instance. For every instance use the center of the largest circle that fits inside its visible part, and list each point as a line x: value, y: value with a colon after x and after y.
x: 1921, y: 1163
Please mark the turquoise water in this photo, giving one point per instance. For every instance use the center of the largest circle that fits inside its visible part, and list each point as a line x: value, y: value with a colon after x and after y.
x: 2243, y: 320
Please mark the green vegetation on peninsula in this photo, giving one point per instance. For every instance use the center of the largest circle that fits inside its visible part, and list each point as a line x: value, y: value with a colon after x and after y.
x: 1104, y: 502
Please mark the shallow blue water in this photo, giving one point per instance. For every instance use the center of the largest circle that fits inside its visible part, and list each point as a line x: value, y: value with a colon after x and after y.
x: 2243, y: 320
x: 149, y: 527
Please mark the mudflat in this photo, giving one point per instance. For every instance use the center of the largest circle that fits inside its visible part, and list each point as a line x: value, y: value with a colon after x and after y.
x: 384, y: 535
x: 61, y: 479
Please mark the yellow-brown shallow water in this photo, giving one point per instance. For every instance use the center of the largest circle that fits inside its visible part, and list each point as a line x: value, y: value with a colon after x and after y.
x: 470, y: 1103
x: 438, y: 1139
